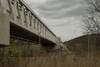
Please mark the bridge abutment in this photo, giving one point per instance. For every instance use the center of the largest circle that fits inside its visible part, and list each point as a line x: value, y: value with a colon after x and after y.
x: 4, y: 29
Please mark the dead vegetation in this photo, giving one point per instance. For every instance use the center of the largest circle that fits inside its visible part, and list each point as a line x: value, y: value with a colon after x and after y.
x: 19, y: 54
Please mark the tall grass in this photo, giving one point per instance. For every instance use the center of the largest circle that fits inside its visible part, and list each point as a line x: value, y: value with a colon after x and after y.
x: 26, y: 54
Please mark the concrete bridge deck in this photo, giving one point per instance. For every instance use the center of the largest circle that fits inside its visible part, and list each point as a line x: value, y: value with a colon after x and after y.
x: 18, y: 19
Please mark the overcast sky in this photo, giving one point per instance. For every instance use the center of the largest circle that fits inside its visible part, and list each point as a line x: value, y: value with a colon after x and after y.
x: 63, y: 17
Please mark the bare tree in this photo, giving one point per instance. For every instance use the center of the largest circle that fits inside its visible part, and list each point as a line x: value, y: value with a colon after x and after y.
x: 92, y: 25
x: 92, y: 21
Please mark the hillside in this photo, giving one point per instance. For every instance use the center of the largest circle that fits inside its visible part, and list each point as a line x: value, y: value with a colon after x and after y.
x: 84, y: 44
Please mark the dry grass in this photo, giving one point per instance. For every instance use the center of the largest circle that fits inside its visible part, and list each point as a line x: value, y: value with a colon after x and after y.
x: 53, y: 61
x: 65, y: 61
x: 26, y: 55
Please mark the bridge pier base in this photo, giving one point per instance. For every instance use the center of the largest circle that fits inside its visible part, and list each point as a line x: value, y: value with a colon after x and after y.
x: 4, y: 29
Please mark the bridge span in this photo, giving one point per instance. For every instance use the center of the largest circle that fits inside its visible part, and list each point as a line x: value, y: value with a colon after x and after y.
x: 18, y: 19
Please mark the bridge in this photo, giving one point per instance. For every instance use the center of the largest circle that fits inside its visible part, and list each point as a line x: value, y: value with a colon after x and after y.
x: 17, y: 19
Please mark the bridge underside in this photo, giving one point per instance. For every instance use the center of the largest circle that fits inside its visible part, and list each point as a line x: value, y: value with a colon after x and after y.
x: 16, y: 31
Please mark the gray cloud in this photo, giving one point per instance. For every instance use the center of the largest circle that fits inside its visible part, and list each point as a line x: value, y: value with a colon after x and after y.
x: 64, y: 13
x: 62, y: 16
x: 62, y: 8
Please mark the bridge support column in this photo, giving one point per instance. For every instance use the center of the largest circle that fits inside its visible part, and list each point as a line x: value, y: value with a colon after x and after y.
x: 4, y: 29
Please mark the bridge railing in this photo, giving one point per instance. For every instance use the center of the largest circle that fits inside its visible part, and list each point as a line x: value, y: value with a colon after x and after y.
x: 22, y: 15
